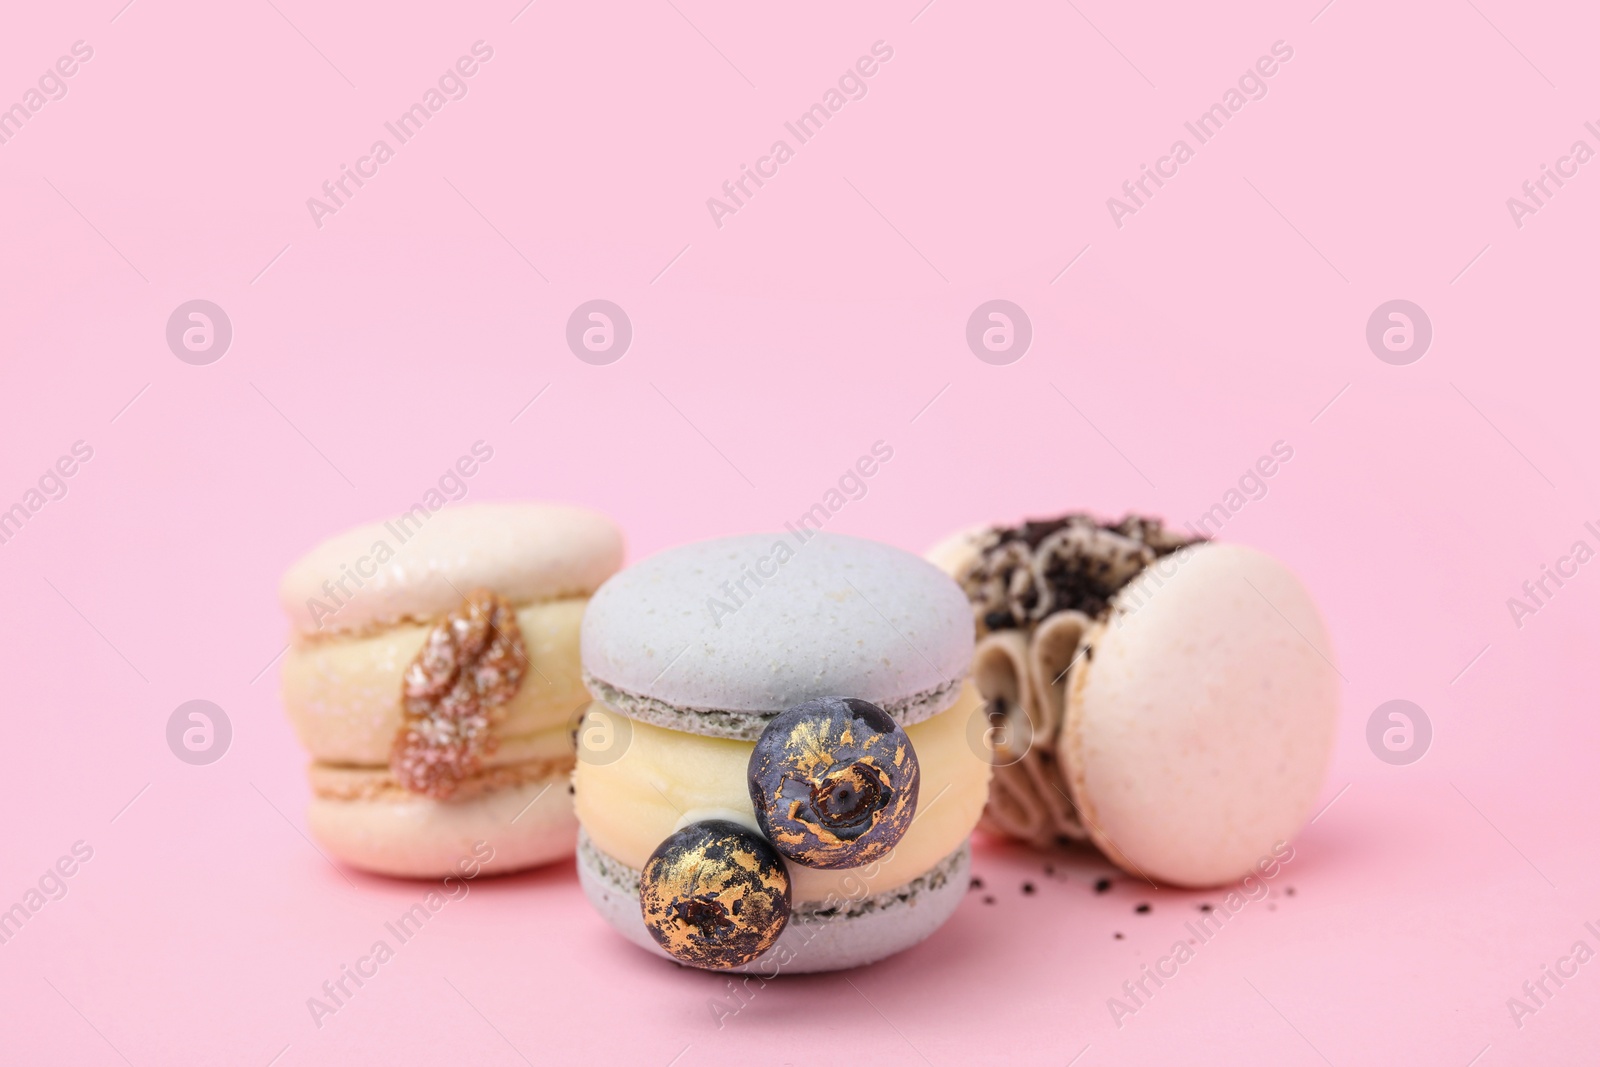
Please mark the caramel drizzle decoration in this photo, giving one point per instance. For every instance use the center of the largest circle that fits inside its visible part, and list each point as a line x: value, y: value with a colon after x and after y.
x: 470, y: 665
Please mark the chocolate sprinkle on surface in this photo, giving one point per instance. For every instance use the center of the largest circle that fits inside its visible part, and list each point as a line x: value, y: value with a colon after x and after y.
x: 1024, y: 574
x: 1103, y: 886
x: 1117, y: 935
x: 1142, y: 909
x: 977, y: 883
x: 1205, y: 907
x: 1027, y: 888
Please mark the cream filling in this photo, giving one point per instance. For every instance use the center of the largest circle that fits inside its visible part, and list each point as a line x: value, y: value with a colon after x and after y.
x: 545, y: 758
x: 343, y: 693
x: 630, y: 805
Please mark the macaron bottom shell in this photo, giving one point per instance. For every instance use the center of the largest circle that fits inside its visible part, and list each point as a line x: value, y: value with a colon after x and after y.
x: 525, y: 825
x: 866, y: 927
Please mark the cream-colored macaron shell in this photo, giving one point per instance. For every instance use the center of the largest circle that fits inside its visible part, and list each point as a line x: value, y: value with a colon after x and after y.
x: 629, y: 805
x: 1199, y: 729
x: 418, y: 566
x: 416, y: 837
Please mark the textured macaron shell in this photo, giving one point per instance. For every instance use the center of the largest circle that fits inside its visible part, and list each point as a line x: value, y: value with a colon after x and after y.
x: 753, y: 625
x: 630, y: 805
x: 415, y: 837
x: 1199, y: 730
x: 343, y: 696
x: 418, y: 566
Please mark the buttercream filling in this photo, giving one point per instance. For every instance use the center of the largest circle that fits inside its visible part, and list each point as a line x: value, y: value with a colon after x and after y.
x: 1024, y: 574
x: 630, y: 803
x: 344, y: 696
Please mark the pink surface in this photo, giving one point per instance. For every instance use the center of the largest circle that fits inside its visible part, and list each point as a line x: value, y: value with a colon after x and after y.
x: 1227, y: 313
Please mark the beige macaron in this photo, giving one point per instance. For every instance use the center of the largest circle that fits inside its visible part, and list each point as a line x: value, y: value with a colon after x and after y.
x: 1171, y: 700
x: 432, y: 674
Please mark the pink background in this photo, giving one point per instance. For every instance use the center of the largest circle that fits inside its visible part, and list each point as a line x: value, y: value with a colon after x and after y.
x: 829, y: 313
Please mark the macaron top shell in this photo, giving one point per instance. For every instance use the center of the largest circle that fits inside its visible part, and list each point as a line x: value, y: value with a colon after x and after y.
x: 1199, y: 728
x: 418, y: 566
x: 719, y: 636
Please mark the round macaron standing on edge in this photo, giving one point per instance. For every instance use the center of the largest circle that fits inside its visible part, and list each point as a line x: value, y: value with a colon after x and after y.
x: 1180, y: 694
x: 432, y: 676
x: 802, y: 698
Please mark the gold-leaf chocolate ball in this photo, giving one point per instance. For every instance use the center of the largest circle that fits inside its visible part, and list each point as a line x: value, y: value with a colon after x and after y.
x: 715, y: 895
x: 834, y: 783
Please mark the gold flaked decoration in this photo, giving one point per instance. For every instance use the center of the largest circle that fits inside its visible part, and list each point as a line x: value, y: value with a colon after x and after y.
x: 715, y: 895
x: 470, y: 665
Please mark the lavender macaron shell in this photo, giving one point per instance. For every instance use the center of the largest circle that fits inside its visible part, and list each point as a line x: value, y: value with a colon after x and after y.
x: 716, y: 637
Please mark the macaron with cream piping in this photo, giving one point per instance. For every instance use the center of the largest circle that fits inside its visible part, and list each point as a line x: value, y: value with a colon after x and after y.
x: 1170, y: 699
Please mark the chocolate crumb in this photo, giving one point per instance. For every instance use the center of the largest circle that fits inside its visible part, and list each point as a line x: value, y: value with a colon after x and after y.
x: 1103, y: 886
x: 1142, y: 909
x: 999, y: 620
x: 572, y: 791
x: 977, y: 883
x: 1027, y: 888
x: 1118, y: 936
x: 1075, y: 562
x: 1205, y: 907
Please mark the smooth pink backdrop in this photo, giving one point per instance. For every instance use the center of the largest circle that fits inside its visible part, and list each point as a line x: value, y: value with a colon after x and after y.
x: 1227, y: 314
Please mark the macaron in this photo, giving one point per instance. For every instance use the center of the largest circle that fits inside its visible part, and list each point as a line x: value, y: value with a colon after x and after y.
x: 777, y: 775
x: 433, y: 676
x: 1170, y: 699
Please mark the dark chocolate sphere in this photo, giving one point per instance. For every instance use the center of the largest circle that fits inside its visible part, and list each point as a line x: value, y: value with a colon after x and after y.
x: 834, y: 782
x: 715, y: 895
